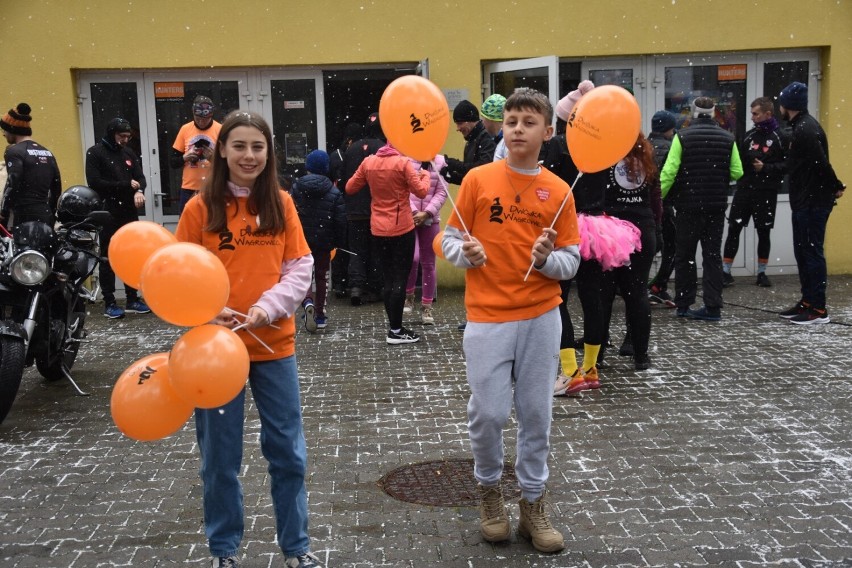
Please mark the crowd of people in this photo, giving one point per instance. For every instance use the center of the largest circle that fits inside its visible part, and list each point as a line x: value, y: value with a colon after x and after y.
x: 363, y: 222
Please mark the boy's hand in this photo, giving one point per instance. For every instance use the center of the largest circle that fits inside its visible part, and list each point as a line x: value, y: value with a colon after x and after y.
x: 543, y: 246
x: 473, y: 251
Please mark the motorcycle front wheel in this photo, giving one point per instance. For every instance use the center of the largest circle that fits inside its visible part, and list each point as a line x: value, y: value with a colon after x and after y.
x: 51, y: 367
x: 12, y: 353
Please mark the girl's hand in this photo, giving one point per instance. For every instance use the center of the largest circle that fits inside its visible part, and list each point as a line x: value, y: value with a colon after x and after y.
x: 543, y: 246
x: 473, y: 250
x: 257, y: 317
x: 226, y: 319
x: 420, y: 218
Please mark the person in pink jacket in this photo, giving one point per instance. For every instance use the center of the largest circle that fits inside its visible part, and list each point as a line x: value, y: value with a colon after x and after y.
x: 426, y: 212
x: 392, y: 177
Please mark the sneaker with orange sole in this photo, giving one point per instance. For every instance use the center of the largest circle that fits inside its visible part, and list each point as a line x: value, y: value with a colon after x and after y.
x: 578, y: 383
x: 591, y: 378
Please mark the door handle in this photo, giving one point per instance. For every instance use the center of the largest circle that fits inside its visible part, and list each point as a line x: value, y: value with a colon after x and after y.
x: 157, y: 195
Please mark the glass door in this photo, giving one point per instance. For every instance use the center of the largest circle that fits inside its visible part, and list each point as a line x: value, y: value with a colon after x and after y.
x: 106, y: 96
x: 294, y: 105
x: 540, y: 73
x: 169, y: 106
x: 627, y: 73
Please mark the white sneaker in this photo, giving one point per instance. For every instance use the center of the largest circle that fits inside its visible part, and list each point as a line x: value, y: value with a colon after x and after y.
x: 409, y: 304
x: 426, y: 315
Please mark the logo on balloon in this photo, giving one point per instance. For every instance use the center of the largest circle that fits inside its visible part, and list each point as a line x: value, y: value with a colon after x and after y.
x: 146, y: 374
x: 415, y: 124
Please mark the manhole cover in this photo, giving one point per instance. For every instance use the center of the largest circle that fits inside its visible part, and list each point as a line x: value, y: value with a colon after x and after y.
x: 444, y: 483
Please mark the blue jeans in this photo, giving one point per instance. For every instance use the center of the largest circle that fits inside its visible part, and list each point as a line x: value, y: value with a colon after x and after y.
x: 275, y: 388
x: 808, y: 239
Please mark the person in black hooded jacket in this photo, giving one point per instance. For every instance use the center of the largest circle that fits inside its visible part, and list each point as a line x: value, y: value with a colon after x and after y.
x: 479, y: 144
x: 323, y: 215
x: 115, y: 172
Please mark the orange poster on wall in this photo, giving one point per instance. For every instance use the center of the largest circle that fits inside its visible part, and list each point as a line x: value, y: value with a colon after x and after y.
x: 731, y: 72
x: 168, y: 90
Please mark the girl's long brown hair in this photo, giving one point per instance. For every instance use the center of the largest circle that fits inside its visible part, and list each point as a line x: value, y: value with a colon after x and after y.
x: 640, y: 159
x: 265, y: 197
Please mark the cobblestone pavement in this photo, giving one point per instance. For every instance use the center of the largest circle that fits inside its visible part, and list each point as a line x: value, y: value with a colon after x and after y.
x: 733, y: 450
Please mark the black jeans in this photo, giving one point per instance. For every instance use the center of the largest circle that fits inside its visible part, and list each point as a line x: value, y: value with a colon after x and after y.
x: 808, y: 239
x: 664, y: 272
x: 396, y: 254
x: 107, y: 276
x: 365, y: 270
x: 706, y: 228
x: 631, y: 282
x: 567, y: 340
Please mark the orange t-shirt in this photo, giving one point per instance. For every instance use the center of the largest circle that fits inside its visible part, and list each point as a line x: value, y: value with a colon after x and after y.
x: 253, y: 261
x: 507, y: 230
x: 195, y: 173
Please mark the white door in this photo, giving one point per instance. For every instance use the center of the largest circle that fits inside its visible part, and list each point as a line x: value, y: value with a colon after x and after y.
x: 104, y: 96
x: 540, y: 73
x: 293, y: 103
x: 168, y: 99
x: 628, y: 73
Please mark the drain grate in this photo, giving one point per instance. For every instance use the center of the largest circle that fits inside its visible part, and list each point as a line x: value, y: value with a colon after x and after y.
x: 443, y: 483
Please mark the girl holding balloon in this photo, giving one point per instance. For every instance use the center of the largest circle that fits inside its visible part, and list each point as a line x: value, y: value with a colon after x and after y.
x: 602, y: 128
x: 426, y: 212
x: 245, y: 219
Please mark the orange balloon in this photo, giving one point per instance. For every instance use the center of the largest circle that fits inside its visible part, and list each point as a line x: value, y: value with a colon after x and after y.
x: 143, y: 404
x: 132, y: 245
x: 185, y: 284
x: 332, y: 254
x: 208, y: 366
x: 436, y: 245
x: 415, y: 117
x: 602, y: 128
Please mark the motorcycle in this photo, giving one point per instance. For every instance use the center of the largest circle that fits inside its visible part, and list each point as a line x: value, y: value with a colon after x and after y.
x: 44, y: 292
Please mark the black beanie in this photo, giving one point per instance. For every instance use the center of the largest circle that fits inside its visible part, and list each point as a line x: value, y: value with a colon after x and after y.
x: 662, y: 121
x: 115, y: 126
x: 794, y: 96
x: 465, y: 111
x: 17, y: 120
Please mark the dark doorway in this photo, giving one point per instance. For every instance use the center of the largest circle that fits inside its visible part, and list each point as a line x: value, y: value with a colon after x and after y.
x: 352, y: 94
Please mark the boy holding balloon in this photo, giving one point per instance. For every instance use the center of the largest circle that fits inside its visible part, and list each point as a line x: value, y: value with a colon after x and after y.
x: 243, y: 217
x: 511, y: 213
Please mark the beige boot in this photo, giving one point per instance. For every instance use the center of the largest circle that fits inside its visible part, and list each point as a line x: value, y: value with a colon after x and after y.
x: 426, y: 315
x: 535, y: 526
x: 409, y: 304
x: 494, y: 520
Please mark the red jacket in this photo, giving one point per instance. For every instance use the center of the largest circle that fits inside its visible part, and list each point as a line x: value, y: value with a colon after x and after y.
x: 391, y: 177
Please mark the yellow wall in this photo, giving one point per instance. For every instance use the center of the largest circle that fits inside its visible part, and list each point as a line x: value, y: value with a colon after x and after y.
x: 46, y: 42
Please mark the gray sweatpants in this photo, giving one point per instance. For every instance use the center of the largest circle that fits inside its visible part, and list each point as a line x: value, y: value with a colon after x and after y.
x: 525, y: 353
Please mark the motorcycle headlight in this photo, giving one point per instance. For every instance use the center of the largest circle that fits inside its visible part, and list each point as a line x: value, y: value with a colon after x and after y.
x: 29, y: 268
